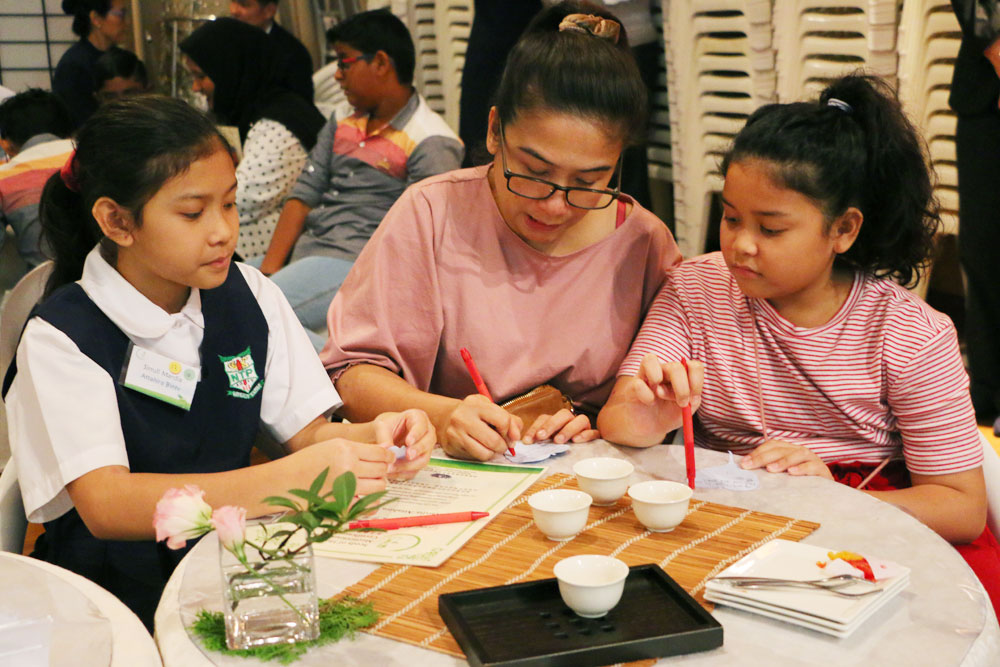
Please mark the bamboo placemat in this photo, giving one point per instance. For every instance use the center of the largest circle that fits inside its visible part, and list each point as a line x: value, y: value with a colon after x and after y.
x: 511, y: 549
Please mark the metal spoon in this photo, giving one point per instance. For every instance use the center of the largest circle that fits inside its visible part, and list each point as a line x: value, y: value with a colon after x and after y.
x: 831, y: 584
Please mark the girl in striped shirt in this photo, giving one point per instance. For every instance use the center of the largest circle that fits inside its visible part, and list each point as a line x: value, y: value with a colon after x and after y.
x: 808, y: 356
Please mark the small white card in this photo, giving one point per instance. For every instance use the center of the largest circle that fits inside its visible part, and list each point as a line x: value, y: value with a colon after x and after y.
x: 534, y: 453
x: 162, y: 378
x: 727, y: 476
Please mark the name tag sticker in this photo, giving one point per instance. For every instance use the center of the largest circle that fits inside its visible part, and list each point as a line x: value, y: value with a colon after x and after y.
x: 165, y: 379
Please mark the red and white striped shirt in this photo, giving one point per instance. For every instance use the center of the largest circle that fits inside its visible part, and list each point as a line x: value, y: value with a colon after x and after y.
x: 884, y: 373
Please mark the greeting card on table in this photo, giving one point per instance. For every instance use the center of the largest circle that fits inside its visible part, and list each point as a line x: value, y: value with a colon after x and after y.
x: 444, y: 486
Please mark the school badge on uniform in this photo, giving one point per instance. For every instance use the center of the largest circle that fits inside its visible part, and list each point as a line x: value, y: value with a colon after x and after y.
x: 243, y: 379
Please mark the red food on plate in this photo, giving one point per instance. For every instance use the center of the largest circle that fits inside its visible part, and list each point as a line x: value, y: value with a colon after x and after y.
x: 854, y: 560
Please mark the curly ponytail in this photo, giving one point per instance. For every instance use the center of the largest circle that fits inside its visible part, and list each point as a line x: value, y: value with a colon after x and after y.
x: 853, y: 146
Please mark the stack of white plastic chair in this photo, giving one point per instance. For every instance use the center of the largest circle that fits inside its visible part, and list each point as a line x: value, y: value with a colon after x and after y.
x: 658, y: 149
x: 720, y: 67
x: 427, y: 75
x: 453, y: 22
x: 820, y: 40
x: 929, y: 37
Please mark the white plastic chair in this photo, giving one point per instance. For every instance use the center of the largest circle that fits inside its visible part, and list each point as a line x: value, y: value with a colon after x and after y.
x: 13, y: 522
x: 21, y: 299
x: 991, y: 471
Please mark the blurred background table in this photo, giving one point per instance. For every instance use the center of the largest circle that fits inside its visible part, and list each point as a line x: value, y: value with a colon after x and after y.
x: 943, y: 618
x: 90, y: 626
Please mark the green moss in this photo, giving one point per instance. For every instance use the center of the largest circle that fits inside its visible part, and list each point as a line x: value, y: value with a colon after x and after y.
x: 337, y: 619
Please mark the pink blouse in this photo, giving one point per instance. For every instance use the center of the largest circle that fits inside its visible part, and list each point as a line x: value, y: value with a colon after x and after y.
x: 443, y: 271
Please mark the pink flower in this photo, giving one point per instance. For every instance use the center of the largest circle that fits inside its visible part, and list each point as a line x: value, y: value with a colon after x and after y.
x: 230, y: 522
x: 182, y: 515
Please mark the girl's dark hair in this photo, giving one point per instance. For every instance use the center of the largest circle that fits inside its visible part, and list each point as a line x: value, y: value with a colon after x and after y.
x: 119, y: 62
x: 853, y: 146
x: 125, y: 151
x: 575, y: 73
x: 80, y: 11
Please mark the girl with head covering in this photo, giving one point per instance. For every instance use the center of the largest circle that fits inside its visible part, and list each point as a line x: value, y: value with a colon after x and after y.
x: 101, y: 25
x: 234, y: 66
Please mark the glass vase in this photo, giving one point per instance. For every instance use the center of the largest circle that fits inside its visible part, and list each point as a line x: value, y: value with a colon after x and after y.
x: 273, y: 601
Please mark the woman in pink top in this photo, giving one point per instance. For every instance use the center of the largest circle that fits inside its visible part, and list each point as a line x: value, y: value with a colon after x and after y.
x: 534, y: 262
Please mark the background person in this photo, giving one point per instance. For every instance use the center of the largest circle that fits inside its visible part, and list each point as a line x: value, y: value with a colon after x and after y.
x: 533, y: 262
x: 119, y: 72
x: 234, y: 66
x: 101, y: 25
x: 360, y: 166
x: 298, y: 63
x: 34, y: 126
x: 975, y: 94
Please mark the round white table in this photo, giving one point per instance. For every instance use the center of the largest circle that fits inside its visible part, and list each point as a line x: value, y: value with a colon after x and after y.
x: 943, y: 618
x: 131, y: 643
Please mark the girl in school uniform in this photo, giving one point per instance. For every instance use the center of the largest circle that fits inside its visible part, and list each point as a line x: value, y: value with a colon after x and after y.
x: 811, y: 359
x: 154, y: 359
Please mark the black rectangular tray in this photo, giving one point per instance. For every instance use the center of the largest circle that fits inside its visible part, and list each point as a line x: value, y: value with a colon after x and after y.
x: 528, y: 625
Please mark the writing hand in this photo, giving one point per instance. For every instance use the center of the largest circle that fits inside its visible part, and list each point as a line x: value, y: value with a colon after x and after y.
x: 478, y: 428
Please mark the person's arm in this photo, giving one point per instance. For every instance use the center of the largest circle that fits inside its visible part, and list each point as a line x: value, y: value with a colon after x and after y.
x: 272, y: 161
x: 306, y: 195
x: 286, y: 233
x: 643, y: 408
x: 953, y: 505
x: 117, y: 504
x: 472, y: 427
x: 435, y: 155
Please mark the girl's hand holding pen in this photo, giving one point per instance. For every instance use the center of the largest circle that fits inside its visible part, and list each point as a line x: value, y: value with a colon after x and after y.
x: 478, y: 428
x: 411, y: 429
x: 670, y: 382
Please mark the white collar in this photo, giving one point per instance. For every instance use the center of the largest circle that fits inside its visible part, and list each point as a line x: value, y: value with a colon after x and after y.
x: 133, y: 313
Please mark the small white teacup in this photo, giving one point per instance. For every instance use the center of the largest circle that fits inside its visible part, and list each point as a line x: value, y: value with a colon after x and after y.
x: 591, y: 585
x: 659, y: 504
x: 604, y: 478
x: 560, y: 513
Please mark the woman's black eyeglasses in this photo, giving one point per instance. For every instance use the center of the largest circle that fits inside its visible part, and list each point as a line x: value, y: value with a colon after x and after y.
x: 537, y: 188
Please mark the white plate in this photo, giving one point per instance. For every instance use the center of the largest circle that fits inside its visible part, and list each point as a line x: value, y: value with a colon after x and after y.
x: 782, y: 559
x: 804, y: 620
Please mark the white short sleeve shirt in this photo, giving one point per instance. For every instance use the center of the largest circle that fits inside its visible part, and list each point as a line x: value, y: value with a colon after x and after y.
x: 62, y: 409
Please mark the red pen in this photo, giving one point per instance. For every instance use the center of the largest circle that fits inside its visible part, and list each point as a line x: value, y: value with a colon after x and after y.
x: 477, y: 379
x: 424, y: 520
x: 688, y: 437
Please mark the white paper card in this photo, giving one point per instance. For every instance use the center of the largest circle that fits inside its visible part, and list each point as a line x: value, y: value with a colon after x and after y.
x: 728, y: 476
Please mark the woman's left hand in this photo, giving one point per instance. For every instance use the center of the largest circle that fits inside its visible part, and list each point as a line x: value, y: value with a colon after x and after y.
x: 781, y: 456
x: 411, y: 429
x: 561, y: 427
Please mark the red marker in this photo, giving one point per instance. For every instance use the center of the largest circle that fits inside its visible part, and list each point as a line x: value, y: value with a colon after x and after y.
x: 477, y: 380
x: 425, y: 520
x: 688, y: 437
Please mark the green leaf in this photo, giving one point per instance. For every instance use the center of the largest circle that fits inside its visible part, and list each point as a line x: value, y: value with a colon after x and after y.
x: 365, y: 504
x: 319, y: 481
x: 309, y: 496
x: 280, y: 501
x: 355, y: 514
x: 344, y: 488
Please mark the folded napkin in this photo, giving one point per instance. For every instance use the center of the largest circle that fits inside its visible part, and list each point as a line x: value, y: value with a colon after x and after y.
x: 728, y: 476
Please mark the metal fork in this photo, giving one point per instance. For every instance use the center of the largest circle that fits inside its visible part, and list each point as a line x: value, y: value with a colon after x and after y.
x: 831, y: 584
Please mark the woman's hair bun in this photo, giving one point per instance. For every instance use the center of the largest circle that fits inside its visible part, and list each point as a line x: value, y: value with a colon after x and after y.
x: 70, y: 6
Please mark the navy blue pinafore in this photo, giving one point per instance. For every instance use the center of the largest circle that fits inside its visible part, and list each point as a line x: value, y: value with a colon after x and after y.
x: 216, y: 435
